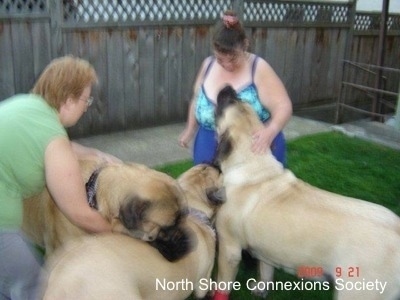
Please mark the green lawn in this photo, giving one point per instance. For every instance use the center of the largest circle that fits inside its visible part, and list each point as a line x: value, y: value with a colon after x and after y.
x: 336, y: 163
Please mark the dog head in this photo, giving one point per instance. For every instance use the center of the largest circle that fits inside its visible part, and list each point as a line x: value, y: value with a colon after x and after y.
x: 198, y: 183
x: 145, y: 204
x: 158, y: 219
x: 143, y: 219
x: 235, y: 121
x: 167, y: 234
x: 174, y: 242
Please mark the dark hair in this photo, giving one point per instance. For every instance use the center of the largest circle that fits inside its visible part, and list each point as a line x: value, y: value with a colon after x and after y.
x: 229, y: 33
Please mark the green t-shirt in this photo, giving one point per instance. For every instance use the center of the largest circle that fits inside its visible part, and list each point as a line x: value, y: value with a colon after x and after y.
x: 27, y: 125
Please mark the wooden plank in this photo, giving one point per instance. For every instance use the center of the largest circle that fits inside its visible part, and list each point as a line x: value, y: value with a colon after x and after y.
x: 21, y: 36
x: 331, y: 64
x: 257, y: 38
x: 296, y: 67
x: 115, y: 82
x: 370, y: 89
x: 131, y: 78
x: 307, y: 65
x: 336, y: 62
x: 391, y: 66
x: 203, y: 44
x: 189, y: 69
x: 361, y: 110
x: 320, y: 70
x: 99, y: 58
x: 162, y: 81
x: 41, y: 46
x: 275, y: 50
x: 146, y: 76
x: 75, y: 45
x: 175, y: 72
x: 7, y: 76
x: 290, y: 76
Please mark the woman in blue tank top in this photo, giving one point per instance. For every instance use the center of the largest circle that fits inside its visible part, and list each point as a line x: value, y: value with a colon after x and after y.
x: 255, y: 83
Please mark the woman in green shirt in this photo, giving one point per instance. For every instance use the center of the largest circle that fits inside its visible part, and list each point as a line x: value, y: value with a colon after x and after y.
x: 36, y: 152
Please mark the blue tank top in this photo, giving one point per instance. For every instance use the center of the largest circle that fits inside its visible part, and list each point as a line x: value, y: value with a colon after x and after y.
x: 205, y: 108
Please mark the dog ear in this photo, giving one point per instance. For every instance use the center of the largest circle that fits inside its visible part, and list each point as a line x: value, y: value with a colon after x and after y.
x: 132, y: 212
x: 226, y: 97
x: 173, y: 243
x: 216, y: 195
x: 216, y: 166
x: 224, y: 148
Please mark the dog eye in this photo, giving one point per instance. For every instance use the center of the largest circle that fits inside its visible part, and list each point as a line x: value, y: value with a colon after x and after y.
x: 162, y: 234
x: 166, y: 229
x: 178, y: 218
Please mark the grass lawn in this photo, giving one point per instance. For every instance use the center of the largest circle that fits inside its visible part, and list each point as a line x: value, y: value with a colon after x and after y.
x: 336, y: 163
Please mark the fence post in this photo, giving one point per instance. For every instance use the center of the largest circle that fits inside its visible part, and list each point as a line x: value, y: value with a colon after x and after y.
x: 346, y: 56
x: 55, y: 28
x: 397, y: 115
x: 376, y: 104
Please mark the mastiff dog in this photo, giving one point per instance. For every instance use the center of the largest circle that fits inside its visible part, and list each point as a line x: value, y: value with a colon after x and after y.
x: 348, y: 244
x: 138, y: 201
x: 118, y: 267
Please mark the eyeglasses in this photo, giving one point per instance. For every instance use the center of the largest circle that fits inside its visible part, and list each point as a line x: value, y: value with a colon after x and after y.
x: 231, y: 58
x: 89, y: 101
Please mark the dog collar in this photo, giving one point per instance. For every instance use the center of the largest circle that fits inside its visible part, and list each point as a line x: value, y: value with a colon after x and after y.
x: 91, y: 188
x: 202, y: 217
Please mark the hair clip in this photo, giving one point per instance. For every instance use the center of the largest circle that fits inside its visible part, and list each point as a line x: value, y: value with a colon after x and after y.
x: 229, y: 21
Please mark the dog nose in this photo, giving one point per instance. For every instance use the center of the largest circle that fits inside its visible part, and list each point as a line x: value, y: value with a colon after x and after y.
x: 151, y: 238
x: 173, y: 243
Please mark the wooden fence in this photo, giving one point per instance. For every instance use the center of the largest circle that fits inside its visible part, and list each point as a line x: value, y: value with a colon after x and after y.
x: 147, y: 53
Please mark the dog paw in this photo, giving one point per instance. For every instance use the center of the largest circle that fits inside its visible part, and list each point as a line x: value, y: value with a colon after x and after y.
x: 256, y: 291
